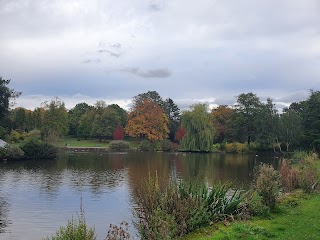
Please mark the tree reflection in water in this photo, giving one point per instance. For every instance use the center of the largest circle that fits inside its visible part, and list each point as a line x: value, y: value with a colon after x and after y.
x: 3, y: 215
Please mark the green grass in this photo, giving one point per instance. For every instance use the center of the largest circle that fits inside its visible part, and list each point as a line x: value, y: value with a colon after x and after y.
x: 289, y: 222
x: 73, y: 142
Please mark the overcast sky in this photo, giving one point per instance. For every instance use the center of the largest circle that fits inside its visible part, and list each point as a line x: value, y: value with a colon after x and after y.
x: 207, y: 50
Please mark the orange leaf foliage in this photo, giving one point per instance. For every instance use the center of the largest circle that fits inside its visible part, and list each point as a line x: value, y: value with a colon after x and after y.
x: 222, y: 115
x: 147, y: 119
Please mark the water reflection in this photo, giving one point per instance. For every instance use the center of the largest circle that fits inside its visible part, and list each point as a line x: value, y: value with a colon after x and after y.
x: 46, y: 193
x: 4, y: 221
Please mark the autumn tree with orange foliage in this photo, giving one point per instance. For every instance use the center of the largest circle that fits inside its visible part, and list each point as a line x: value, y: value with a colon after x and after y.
x: 147, y: 120
x: 222, y: 121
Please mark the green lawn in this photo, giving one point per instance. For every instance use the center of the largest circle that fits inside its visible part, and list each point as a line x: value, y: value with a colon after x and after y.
x: 73, y: 142
x: 298, y: 222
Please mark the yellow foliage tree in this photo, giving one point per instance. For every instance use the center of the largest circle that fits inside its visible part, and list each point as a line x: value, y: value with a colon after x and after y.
x: 147, y: 119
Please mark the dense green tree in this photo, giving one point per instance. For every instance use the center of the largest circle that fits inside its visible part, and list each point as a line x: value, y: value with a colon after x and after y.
x: 247, y: 108
x: 19, y: 118
x: 298, y: 107
x: 266, y: 125
x: 105, y: 123
x: 37, y: 118
x: 85, y: 124
x: 75, y: 115
x: 122, y: 114
x: 198, y: 125
x: 55, y: 121
x: 172, y: 112
x: 290, y: 128
x: 311, y: 120
x: 6, y: 95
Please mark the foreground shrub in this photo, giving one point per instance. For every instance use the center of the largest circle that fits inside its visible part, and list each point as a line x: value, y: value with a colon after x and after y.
x: 118, y: 145
x: 254, y: 206
x: 118, y: 232
x: 169, y: 210
x: 76, y: 229
x: 11, y: 152
x: 36, y: 149
x: 267, y: 184
x: 288, y: 176
x: 308, y: 175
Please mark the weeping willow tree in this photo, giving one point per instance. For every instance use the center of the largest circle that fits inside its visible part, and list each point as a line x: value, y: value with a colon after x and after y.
x: 198, y: 124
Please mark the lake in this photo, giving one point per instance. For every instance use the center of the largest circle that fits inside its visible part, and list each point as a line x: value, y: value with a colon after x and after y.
x: 36, y: 197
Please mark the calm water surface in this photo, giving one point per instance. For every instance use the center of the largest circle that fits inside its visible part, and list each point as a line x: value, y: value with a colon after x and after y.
x: 36, y: 197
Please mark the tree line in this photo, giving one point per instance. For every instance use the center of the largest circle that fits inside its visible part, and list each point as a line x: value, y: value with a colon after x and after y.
x: 250, y: 121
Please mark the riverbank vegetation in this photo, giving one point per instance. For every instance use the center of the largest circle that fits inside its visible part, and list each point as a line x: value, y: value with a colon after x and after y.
x: 295, y: 218
x: 249, y: 125
x: 283, y: 205
x: 280, y: 204
x: 76, y: 229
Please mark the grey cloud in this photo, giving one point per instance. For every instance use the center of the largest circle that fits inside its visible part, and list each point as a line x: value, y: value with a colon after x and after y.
x: 225, y: 101
x: 113, y: 54
x: 115, y: 45
x: 294, y: 97
x: 96, y: 60
x: 156, y: 5
x: 152, y: 73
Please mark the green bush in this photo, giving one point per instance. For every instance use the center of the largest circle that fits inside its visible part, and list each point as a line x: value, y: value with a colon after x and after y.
x: 36, y: 149
x: 216, y: 147
x: 308, y: 175
x: 76, y: 229
x: 166, y: 145
x: 267, y: 184
x: 298, y: 156
x: 147, y: 146
x: 3, y: 132
x: 34, y: 134
x: 253, y: 146
x: 11, y: 152
x: 118, y: 145
x: 255, y: 207
x: 223, y: 146
x: 236, y: 147
x: 16, y: 136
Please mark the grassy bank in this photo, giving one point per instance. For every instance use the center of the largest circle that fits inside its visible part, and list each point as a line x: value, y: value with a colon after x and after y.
x: 75, y: 142
x: 297, y: 217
